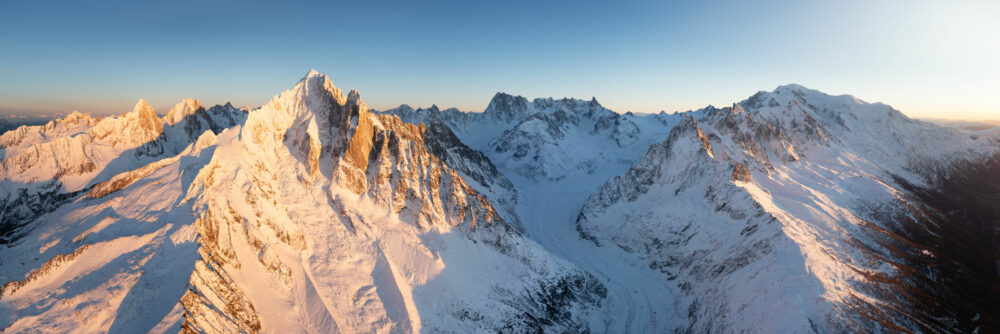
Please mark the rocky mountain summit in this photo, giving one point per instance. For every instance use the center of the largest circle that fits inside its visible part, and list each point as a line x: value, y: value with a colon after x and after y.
x: 312, y: 213
x: 725, y: 203
x: 791, y: 211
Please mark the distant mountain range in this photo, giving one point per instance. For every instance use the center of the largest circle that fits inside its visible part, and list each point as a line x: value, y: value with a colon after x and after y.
x: 790, y: 211
x: 11, y: 124
x: 965, y: 124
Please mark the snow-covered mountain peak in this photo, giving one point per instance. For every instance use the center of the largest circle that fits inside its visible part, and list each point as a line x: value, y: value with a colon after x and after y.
x: 795, y: 87
x: 808, y: 94
x: 791, y: 211
x: 806, y: 118
x: 316, y: 83
x: 186, y: 107
x: 793, y: 174
x: 816, y: 99
x: 77, y: 116
x: 507, y: 108
x: 313, y: 73
x: 313, y: 95
x: 134, y: 128
x: 144, y: 114
x: 793, y: 93
x: 142, y: 107
x: 310, y: 173
x: 354, y: 98
x: 75, y: 121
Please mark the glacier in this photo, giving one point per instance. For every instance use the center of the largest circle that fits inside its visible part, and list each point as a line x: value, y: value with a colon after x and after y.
x: 790, y: 211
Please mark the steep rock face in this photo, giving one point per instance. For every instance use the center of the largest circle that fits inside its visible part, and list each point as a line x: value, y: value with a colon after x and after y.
x: 792, y: 211
x: 388, y: 160
x: 792, y: 186
x: 474, y: 167
x: 366, y: 230
x: 452, y: 147
x: 311, y: 214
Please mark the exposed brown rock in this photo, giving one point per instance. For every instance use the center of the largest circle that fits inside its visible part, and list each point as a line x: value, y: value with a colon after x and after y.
x: 740, y: 173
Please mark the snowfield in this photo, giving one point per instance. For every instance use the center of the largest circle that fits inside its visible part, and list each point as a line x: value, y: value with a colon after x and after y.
x: 792, y: 211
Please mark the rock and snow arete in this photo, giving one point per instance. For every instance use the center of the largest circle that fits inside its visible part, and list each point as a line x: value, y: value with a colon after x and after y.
x: 791, y: 211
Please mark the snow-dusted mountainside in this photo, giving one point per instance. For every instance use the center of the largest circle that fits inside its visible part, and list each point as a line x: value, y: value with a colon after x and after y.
x: 44, y: 166
x: 311, y: 215
x: 348, y: 217
x: 549, y: 139
x: 791, y: 211
x: 826, y: 210
x: 556, y: 152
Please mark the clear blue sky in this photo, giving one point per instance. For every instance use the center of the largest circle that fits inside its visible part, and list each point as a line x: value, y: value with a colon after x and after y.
x: 938, y: 58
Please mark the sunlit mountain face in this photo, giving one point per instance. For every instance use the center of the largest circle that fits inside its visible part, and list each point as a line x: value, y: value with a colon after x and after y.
x: 790, y: 211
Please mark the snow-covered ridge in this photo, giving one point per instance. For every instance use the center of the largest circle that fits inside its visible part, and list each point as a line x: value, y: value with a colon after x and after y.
x: 42, y: 166
x: 548, y: 138
x: 382, y: 188
x: 311, y: 214
x: 791, y: 211
x: 719, y: 173
x: 793, y: 186
x: 874, y: 129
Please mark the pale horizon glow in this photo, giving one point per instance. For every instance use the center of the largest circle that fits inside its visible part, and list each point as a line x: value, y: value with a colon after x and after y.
x: 927, y: 59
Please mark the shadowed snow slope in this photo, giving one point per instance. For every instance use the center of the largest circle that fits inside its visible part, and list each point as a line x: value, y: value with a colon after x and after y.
x: 45, y: 166
x: 312, y: 215
x: 792, y: 211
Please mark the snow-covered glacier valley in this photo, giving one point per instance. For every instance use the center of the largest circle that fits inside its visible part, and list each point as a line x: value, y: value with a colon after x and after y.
x: 791, y: 211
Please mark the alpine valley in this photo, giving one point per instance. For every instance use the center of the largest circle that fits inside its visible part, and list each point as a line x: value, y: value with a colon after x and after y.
x: 792, y: 211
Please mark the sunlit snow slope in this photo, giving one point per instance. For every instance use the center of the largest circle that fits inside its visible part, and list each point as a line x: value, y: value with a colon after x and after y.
x: 792, y: 211
x: 312, y: 215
